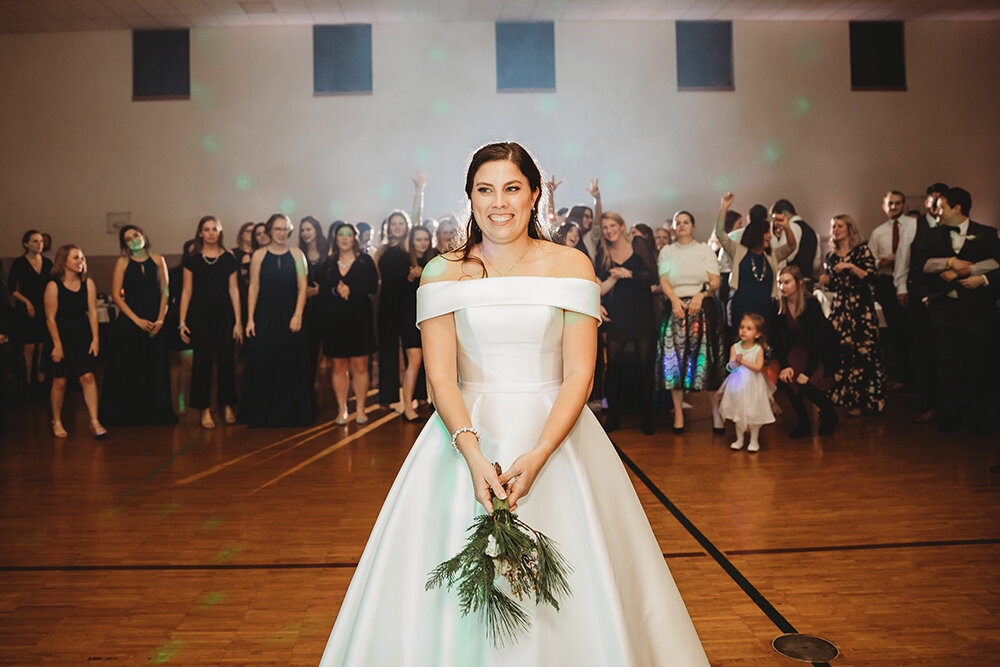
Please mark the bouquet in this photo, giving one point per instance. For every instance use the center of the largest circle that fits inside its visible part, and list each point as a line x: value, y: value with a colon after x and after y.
x: 501, y: 545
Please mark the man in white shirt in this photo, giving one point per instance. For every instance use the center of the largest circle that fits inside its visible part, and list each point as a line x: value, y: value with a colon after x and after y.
x: 884, y: 243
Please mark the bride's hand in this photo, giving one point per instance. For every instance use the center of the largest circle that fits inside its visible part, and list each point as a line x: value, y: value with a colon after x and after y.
x: 484, y: 477
x: 523, y: 472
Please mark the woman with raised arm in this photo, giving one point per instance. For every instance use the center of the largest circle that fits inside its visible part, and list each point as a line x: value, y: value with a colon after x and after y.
x: 136, y: 389
x: 210, y: 299
x: 753, y: 282
x: 71, y: 316
x: 29, y: 274
x: 277, y: 388
x: 692, y: 351
x: 627, y: 269
x: 509, y: 322
x: 347, y: 284
x: 849, y: 273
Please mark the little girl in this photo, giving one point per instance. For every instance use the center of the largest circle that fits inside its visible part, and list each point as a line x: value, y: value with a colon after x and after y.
x: 746, y: 393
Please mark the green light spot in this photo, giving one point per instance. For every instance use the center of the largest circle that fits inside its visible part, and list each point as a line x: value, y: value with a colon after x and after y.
x: 442, y: 107
x: 212, y: 599
x: 386, y: 191
x: 614, y: 180
x: 771, y: 152
x: 438, y: 54
x: 723, y: 184
x: 111, y: 512
x: 285, y: 635
x: 435, y: 267
x: 800, y: 106
x: 547, y: 103
x: 212, y: 522
x: 670, y: 193
x: 243, y: 181
x: 421, y: 154
x: 166, y: 652
x: 807, y: 51
x: 202, y: 94
x: 227, y: 554
x: 573, y: 149
x: 181, y: 402
x: 170, y: 508
x: 34, y: 537
x: 337, y: 209
x: 287, y: 206
x: 213, y: 143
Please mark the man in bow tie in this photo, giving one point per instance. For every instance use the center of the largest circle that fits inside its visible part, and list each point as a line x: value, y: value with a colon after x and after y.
x: 961, y: 271
x: 885, y: 244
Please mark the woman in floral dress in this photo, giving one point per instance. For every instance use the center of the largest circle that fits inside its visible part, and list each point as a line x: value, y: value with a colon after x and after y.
x: 850, y: 277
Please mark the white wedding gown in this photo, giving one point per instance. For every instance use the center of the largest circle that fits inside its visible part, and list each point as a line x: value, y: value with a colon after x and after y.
x: 625, y: 608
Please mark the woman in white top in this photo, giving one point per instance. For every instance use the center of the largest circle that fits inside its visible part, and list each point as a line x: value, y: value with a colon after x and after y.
x: 692, y: 353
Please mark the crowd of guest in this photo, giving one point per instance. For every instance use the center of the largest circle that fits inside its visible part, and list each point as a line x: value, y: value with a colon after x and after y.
x: 758, y: 308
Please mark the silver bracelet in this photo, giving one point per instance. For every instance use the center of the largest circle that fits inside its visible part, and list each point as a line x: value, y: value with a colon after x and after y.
x: 464, y: 429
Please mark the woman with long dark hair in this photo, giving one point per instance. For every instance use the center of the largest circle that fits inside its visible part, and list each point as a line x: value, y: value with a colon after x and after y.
x: 180, y: 352
x: 210, y: 320
x: 421, y: 252
x: 805, y: 345
x: 850, y: 275
x: 136, y: 389
x: 277, y: 390
x: 627, y: 270
x: 315, y: 248
x: 348, y: 281
x: 71, y: 316
x: 692, y: 346
x: 393, y: 262
x: 29, y: 274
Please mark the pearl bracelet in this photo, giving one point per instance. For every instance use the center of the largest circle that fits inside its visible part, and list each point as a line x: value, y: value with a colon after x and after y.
x: 464, y: 429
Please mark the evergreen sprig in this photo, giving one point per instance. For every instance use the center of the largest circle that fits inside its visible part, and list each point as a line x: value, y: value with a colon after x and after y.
x: 501, y: 545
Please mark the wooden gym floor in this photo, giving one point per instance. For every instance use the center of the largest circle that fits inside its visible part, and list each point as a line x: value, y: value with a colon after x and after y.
x: 174, y: 545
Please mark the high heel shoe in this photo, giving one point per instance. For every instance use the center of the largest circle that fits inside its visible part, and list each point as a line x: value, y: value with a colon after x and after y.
x: 57, y: 429
x: 99, y: 431
x: 341, y: 417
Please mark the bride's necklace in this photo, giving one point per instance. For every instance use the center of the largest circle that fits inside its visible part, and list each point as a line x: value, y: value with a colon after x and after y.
x: 758, y: 272
x: 504, y: 273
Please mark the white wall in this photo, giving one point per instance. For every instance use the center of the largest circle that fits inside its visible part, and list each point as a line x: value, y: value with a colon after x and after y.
x: 73, y: 146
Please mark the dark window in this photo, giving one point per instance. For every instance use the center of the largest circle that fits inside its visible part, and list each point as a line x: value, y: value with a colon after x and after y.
x: 526, y: 56
x: 705, y: 55
x: 342, y: 59
x: 161, y: 65
x: 878, y: 61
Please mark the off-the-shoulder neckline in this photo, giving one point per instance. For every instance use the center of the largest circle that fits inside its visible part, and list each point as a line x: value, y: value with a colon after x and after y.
x: 476, y: 280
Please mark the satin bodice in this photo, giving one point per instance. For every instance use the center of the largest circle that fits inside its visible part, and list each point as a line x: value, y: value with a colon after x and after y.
x: 509, y: 329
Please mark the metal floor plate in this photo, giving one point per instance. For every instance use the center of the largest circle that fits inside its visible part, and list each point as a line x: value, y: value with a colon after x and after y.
x: 805, y: 648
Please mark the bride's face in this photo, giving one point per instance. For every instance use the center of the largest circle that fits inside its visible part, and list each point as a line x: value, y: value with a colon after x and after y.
x: 502, y: 201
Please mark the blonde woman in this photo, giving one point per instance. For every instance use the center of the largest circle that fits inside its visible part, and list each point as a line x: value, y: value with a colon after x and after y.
x: 850, y: 275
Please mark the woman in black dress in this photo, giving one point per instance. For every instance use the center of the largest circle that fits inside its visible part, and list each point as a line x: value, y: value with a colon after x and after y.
x: 315, y: 248
x: 421, y: 252
x: 71, y: 316
x: 393, y: 262
x: 850, y: 274
x: 805, y: 345
x: 136, y: 388
x: 28, y: 275
x: 277, y: 390
x: 210, y: 319
x: 627, y: 270
x: 348, y: 281
x: 180, y: 352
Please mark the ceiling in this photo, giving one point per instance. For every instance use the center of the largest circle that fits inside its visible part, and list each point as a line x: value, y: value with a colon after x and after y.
x: 77, y: 15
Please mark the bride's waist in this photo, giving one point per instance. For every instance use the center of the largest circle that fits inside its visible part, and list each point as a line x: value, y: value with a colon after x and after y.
x: 511, y: 386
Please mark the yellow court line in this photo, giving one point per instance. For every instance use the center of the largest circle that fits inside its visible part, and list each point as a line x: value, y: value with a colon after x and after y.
x: 370, y: 408
x: 222, y: 466
x: 329, y: 450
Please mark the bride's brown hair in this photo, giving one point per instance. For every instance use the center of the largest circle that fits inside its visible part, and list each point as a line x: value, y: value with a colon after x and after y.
x: 511, y: 152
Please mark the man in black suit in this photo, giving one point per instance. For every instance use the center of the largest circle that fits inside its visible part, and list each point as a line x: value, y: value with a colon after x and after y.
x: 804, y: 255
x: 960, y: 264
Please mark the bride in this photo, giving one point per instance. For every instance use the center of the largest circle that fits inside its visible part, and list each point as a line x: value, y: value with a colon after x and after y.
x: 509, y: 325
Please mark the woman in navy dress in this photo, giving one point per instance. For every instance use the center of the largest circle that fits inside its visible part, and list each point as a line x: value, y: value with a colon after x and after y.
x: 29, y: 274
x: 136, y: 387
x: 71, y: 316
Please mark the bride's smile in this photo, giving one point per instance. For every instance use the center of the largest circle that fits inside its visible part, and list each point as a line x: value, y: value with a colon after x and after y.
x: 502, y: 201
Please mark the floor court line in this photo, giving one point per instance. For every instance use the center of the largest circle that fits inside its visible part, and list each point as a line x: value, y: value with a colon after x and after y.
x: 368, y: 410
x: 163, y: 466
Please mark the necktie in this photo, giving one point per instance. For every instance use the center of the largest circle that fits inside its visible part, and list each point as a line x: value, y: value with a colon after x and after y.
x: 895, y: 234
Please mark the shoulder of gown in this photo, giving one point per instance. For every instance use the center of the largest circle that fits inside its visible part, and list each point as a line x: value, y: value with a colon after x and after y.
x: 574, y: 294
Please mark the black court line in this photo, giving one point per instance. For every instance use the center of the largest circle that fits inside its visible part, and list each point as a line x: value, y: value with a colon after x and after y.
x: 167, y: 567
x: 863, y: 547
x: 758, y: 598
x: 163, y: 466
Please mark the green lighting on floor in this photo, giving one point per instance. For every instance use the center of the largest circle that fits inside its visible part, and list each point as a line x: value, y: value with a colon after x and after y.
x: 212, y: 599
x: 170, y: 508
x: 166, y: 652
x: 227, y: 554
x: 287, y: 634
x: 111, y: 512
x: 212, y: 522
